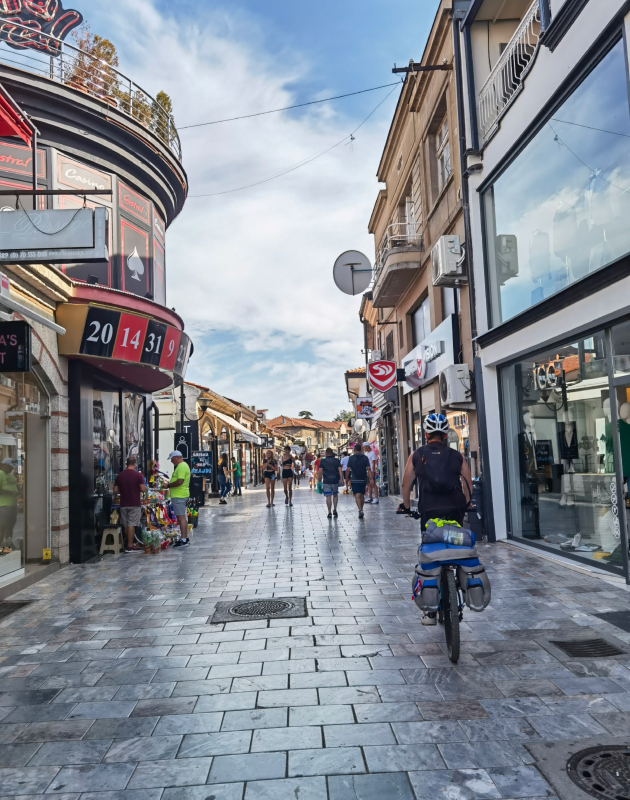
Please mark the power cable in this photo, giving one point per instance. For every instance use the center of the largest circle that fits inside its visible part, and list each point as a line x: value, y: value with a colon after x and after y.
x: 301, y: 163
x: 590, y: 127
x: 286, y: 108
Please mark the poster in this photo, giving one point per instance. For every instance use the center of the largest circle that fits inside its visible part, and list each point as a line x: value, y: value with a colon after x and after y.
x: 201, y: 463
x: 365, y: 409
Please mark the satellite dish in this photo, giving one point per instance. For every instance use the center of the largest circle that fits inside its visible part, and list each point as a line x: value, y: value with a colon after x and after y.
x: 352, y: 272
x: 361, y: 426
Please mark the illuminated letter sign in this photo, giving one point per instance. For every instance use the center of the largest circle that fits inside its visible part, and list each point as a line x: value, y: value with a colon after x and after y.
x: 38, y: 21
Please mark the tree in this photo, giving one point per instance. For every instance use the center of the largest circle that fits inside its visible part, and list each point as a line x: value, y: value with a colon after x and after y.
x: 162, y: 116
x: 305, y: 415
x: 91, y: 67
x: 344, y: 416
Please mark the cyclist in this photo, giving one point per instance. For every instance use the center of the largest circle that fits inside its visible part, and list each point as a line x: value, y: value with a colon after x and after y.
x: 443, y: 476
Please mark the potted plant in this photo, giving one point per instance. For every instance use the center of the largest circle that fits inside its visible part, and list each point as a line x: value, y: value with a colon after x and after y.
x: 147, y: 540
x: 155, y: 544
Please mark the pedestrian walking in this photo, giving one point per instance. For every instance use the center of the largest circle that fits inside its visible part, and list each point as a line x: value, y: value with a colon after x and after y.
x: 344, y: 468
x: 269, y: 468
x: 223, y: 476
x: 329, y: 473
x: 237, y: 472
x: 130, y: 486
x: 359, y: 473
x: 179, y: 489
x: 308, y: 474
x: 287, y: 476
x: 372, y: 488
x: 297, y: 471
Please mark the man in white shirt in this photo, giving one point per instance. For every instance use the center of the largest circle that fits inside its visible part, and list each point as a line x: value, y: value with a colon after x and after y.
x: 344, y: 467
x: 372, y: 488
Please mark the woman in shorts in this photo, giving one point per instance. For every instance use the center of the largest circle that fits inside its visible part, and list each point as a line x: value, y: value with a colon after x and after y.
x: 287, y: 476
x: 269, y: 467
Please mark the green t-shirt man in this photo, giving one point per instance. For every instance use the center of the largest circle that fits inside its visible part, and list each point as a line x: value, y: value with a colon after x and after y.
x: 237, y: 469
x: 8, y: 488
x: 181, y: 472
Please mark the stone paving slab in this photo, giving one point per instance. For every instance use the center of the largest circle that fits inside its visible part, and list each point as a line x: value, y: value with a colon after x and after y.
x: 116, y: 685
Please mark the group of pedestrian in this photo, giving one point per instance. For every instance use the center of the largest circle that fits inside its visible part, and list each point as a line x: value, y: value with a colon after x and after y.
x: 228, y: 476
x: 354, y: 472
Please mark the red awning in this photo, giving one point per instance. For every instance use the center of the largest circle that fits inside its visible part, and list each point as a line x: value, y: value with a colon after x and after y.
x: 13, y: 122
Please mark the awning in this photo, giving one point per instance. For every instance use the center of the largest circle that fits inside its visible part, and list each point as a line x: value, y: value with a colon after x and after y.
x: 247, y: 435
x: 13, y: 121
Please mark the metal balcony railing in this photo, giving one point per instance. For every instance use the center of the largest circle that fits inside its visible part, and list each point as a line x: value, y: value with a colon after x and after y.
x: 506, y: 79
x: 64, y: 63
x: 399, y: 234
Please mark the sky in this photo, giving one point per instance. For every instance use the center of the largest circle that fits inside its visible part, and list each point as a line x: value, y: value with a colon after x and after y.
x: 251, y: 271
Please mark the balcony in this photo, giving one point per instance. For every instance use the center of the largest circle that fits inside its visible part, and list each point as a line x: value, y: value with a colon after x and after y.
x: 398, y: 262
x: 66, y: 64
x: 505, y: 80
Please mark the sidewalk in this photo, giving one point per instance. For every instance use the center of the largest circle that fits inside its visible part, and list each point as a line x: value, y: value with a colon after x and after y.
x: 116, y: 686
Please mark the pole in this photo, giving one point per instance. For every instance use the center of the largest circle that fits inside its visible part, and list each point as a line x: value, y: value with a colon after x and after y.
x: 182, y: 407
x: 34, y: 145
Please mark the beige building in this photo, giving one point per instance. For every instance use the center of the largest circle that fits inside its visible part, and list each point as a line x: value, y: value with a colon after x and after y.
x: 407, y: 317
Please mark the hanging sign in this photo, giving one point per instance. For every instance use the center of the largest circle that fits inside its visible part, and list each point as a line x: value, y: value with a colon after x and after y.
x: 364, y: 408
x: 15, y: 346
x: 382, y: 374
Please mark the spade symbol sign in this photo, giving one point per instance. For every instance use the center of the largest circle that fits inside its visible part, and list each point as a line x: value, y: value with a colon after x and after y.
x: 135, y: 265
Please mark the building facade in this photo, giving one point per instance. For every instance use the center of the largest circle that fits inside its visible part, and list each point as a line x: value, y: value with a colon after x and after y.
x: 547, y: 125
x: 413, y: 315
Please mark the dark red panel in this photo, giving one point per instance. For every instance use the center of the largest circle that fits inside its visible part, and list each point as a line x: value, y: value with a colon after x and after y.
x: 130, y: 337
x: 133, y: 203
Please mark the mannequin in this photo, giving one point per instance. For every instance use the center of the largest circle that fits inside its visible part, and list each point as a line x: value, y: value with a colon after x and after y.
x: 568, y: 447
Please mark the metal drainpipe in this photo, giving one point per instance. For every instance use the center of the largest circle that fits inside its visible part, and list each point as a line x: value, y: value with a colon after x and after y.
x: 482, y: 432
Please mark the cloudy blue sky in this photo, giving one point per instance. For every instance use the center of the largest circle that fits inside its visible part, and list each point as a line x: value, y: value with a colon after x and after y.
x: 251, y: 271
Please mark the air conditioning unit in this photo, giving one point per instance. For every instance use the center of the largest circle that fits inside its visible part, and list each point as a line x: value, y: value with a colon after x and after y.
x: 447, y: 262
x: 506, y: 253
x: 455, y: 385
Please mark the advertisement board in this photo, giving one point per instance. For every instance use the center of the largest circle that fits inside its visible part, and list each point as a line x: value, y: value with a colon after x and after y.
x: 201, y: 463
x: 434, y: 354
x: 364, y: 408
x: 382, y: 374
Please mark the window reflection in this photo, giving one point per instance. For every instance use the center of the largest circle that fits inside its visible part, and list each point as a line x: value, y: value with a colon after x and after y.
x: 560, y: 211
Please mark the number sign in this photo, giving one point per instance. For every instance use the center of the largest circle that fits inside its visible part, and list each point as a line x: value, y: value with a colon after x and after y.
x: 130, y: 339
x: 171, y: 349
x: 15, y: 346
x: 99, y: 333
x: 153, y: 343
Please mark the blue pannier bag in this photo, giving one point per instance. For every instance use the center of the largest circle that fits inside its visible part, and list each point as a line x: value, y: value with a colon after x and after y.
x: 449, y: 544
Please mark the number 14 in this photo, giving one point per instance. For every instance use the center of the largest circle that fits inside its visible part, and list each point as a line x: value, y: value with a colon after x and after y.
x: 135, y: 340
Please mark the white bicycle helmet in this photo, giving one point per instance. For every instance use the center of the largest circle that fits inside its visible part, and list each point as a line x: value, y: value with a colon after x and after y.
x: 436, y: 422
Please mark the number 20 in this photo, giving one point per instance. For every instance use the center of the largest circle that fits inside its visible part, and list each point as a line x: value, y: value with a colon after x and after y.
x: 106, y: 333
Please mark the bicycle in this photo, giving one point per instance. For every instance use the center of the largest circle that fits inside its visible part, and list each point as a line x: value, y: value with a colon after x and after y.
x: 450, y: 611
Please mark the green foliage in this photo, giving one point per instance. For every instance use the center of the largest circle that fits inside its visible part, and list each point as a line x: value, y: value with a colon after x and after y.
x: 305, y: 415
x: 344, y: 416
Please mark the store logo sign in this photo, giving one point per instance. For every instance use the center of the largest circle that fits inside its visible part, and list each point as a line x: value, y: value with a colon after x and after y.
x: 382, y: 374
x: 548, y: 376
x: 433, y: 350
x: 415, y: 372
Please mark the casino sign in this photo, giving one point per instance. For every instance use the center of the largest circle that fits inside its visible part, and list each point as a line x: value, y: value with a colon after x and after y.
x: 135, y: 340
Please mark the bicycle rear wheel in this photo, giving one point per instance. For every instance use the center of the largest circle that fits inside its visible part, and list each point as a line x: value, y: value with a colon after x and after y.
x: 451, y: 614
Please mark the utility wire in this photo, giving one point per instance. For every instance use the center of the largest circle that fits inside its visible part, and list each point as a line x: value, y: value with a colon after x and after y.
x: 591, y: 128
x: 286, y: 108
x: 301, y: 163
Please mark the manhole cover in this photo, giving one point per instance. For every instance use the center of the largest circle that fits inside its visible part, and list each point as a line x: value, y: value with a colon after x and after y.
x: 588, y: 648
x: 602, y: 772
x: 10, y: 607
x: 620, y: 619
x: 260, y: 608
x: 268, y: 608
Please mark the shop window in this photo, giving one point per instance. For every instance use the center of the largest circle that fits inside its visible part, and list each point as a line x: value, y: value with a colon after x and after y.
x: 24, y: 471
x: 559, y: 444
x: 133, y: 405
x: 421, y: 322
x: 107, y: 453
x: 559, y: 211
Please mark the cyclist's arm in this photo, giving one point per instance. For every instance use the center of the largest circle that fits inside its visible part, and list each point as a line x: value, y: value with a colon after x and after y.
x: 466, y: 480
x: 407, y: 482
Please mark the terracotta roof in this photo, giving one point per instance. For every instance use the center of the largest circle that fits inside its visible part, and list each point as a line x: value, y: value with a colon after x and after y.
x: 291, y: 422
x: 197, y: 386
x: 357, y: 371
x: 329, y: 425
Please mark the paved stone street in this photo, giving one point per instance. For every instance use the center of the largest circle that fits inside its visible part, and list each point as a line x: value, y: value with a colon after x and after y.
x: 114, y: 684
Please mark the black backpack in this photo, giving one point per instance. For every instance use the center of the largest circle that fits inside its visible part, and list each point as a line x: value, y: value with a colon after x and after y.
x: 439, y: 468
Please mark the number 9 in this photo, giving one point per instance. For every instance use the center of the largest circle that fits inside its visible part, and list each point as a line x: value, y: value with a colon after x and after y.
x: 171, y: 347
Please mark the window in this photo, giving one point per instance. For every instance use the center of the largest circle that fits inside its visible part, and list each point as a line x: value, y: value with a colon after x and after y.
x: 401, y: 343
x: 559, y: 211
x: 443, y: 155
x: 389, y: 346
x: 421, y: 322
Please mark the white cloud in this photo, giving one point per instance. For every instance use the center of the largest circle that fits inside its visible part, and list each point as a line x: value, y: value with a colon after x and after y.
x: 258, y: 264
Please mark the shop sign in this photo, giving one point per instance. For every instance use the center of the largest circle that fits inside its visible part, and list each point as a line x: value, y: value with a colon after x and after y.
x: 548, y: 376
x: 71, y: 173
x: 125, y: 336
x: 382, y: 374
x: 433, y: 355
x: 134, y: 245
x: 201, y: 463
x: 364, y: 408
x: 133, y: 203
x: 18, y: 160
x: 43, y: 23
x: 54, y: 236
x: 158, y: 227
x: 15, y: 346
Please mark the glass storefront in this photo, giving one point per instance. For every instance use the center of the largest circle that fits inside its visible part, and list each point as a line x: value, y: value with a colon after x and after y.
x: 107, y: 453
x: 562, y: 448
x: 24, y: 471
x: 560, y: 210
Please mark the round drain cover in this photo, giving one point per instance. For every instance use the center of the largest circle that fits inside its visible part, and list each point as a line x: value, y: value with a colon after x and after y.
x: 602, y: 772
x: 260, y: 608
